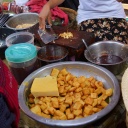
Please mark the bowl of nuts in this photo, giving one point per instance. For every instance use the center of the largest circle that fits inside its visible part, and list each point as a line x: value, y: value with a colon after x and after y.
x: 68, y: 94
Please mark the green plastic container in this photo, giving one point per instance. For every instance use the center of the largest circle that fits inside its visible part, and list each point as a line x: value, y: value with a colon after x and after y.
x: 22, y: 60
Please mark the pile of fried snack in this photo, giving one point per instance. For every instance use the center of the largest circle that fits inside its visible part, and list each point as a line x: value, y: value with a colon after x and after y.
x: 78, y: 97
x: 66, y: 35
x: 23, y: 26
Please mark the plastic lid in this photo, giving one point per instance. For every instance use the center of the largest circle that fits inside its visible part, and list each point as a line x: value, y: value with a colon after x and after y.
x: 19, y: 53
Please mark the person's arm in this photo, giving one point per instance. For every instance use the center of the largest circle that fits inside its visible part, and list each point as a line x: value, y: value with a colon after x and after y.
x: 45, y: 12
x: 53, y: 3
x: 120, y: 0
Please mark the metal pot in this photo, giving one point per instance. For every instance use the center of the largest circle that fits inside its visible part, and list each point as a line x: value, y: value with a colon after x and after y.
x: 22, y: 18
x: 78, y: 69
x: 116, y: 51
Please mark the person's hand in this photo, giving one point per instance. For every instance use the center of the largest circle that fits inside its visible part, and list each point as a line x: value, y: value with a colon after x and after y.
x: 44, y: 15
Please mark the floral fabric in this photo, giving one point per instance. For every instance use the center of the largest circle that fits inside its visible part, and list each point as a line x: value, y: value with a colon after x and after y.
x: 107, y: 29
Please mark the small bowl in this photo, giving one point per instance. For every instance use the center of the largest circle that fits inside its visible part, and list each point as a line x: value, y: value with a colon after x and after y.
x: 22, y: 18
x: 19, y: 37
x: 109, y: 54
x: 52, y: 53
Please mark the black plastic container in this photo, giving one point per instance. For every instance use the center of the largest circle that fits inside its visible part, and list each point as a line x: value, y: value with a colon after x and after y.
x: 4, y: 32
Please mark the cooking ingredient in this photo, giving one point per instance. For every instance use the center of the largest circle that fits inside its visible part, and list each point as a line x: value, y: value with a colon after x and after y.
x: 78, y: 97
x: 24, y: 26
x: 66, y: 35
x: 45, y: 86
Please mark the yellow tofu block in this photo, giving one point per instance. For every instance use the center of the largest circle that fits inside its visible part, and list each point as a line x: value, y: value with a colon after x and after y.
x: 46, y: 86
x: 55, y: 72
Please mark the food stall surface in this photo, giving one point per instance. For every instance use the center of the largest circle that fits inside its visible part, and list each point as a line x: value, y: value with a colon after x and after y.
x: 115, y: 119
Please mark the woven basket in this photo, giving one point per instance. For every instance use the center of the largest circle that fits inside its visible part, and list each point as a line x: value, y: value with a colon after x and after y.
x: 71, y: 15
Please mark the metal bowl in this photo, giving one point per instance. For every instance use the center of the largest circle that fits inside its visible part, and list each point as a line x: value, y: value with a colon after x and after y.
x: 52, y: 53
x: 114, y: 50
x: 22, y: 18
x: 78, y: 69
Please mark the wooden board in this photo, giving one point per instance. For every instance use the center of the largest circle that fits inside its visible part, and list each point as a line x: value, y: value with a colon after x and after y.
x: 76, y: 41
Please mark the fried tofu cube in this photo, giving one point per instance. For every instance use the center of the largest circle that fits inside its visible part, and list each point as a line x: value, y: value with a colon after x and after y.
x: 63, y: 117
x: 94, y: 95
x: 87, y: 83
x: 55, y: 103
x: 36, y: 109
x: 77, y: 112
x: 64, y: 72
x: 88, y: 110
x: 78, y: 89
x: 77, y: 105
x: 89, y: 101
x: 61, y: 89
x: 95, y: 102
x: 77, y: 95
x: 76, y: 84
x: 109, y: 92
x: 104, y: 104
x: 55, y: 118
x: 68, y: 77
x: 45, y: 115
x: 55, y: 72
x: 95, y: 109
x: 68, y: 100
x: 61, y: 99
x: 43, y: 106
x: 100, y: 99
x: 97, y: 84
x: 78, y: 117
x: 51, y: 110
x: 70, y: 116
x: 86, y: 91
x: 98, y: 90
x: 58, y: 113
x: 81, y: 79
x: 104, y: 96
x: 46, y: 111
x: 62, y: 107
x: 60, y: 82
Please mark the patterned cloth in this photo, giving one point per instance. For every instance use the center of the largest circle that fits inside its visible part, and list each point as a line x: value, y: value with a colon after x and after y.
x: 9, y: 89
x: 107, y: 29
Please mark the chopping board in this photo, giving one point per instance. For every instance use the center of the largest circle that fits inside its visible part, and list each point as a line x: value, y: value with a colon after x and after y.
x: 73, y: 43
x: 76, y: 41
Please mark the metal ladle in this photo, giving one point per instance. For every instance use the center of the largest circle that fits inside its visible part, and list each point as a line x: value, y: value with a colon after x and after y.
x: 87, y: 48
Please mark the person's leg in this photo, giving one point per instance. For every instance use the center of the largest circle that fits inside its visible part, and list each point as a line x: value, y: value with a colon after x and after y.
x: 119, y: 29
x: 106, y: 29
